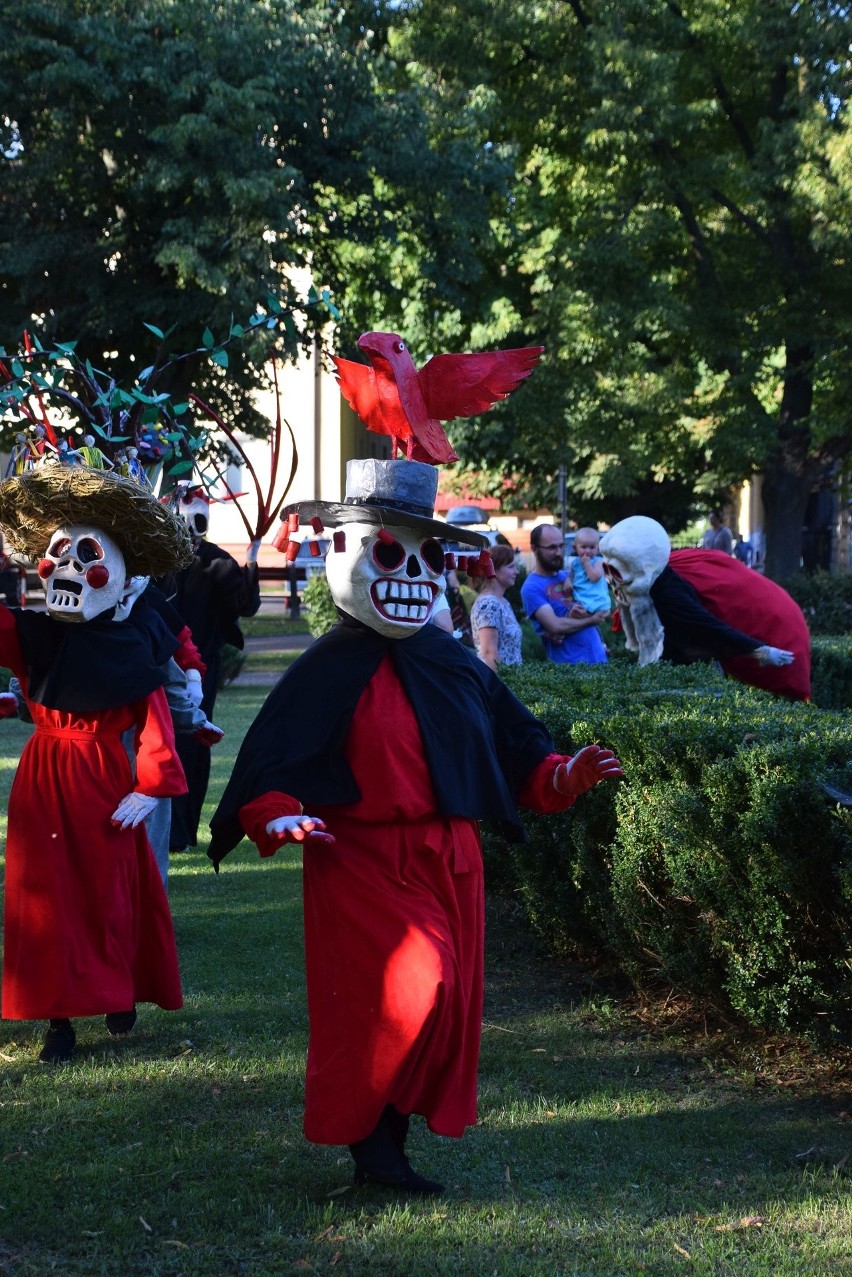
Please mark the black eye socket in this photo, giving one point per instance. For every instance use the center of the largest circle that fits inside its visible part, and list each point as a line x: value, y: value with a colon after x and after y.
x: 89, y: 550
x: 60, y: 546
x: 400, y: 345
x: 432, y: 554
x: 388, y: 555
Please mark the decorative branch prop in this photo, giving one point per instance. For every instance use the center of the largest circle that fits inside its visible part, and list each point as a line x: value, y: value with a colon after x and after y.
x: 42, y: 380
x: 268, y: 504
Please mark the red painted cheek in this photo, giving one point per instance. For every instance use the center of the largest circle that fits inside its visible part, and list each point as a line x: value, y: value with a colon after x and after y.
x: 46, y: 569
x: 98, y: 576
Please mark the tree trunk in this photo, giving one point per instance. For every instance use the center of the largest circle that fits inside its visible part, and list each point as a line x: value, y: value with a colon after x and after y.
x: 785, y: 497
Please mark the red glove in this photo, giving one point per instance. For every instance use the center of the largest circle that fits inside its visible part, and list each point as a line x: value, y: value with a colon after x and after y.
x: 585, y: 770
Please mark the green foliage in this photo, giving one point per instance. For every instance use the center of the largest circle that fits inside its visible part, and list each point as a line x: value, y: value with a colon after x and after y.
x: 319, y: 605
x: 167, y: 165
x: 826, y: 601
x: 673, y: 240
x: 831, y: 672
x: 719, y: 865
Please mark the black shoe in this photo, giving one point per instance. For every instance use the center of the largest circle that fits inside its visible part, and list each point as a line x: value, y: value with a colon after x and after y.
x: 120, y: 1023
x: 380, y: 1158
x: 408, y: 1182
x: 59, y: 1043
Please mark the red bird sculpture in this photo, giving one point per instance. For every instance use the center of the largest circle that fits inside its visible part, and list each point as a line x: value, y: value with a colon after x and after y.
x: 392, y: 398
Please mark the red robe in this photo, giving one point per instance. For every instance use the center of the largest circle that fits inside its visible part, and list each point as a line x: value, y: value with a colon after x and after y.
x: 87, y: 922
x: 394, y: 928
x: 748, y: 601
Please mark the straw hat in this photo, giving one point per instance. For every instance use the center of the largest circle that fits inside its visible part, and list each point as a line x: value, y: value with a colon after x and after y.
x: 33, y: 505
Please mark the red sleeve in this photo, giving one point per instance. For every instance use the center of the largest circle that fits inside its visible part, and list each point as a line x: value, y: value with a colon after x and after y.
x: 187, y: 655
x: 158, y: 768
x: 538, y: 793
x: 256, y: 815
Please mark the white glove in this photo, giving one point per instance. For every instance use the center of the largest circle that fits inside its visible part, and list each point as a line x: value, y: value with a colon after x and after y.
x: 774, y: 656
x: 132, y: 810
x: 251, y: 552
x: 194, y: 689
x: 299, y: 829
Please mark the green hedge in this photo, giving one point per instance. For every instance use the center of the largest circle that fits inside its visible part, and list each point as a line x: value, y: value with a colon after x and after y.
x: 831, y: 672
x: 825, y: 599
x: 720, y: 865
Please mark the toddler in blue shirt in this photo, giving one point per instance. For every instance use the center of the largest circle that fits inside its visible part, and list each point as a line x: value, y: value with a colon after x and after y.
x: 587, y: 574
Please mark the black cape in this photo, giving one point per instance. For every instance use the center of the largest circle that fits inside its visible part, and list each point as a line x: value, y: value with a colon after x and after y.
x: 691, y: 632
x: 89, y: 666
x: 480, y: 742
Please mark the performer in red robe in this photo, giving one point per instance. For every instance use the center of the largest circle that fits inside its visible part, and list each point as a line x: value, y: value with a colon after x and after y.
x: 398, y: 741
x: 87, y: 923
x: 703, y: 605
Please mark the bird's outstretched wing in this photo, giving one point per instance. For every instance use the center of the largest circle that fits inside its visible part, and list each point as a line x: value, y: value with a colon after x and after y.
x: 359, y: 389
x: 463, y: 385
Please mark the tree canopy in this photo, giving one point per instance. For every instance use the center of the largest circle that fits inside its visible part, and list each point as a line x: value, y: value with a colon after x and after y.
x: 175, y: 163
x: 678, y: 239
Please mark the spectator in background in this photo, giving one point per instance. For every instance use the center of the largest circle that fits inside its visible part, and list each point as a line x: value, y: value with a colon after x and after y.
x: 567, y: 630
x: 717, y: 536
x: 496, y: 632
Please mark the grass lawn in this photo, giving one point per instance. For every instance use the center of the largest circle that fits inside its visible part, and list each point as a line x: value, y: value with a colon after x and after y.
x: 605, y: 1146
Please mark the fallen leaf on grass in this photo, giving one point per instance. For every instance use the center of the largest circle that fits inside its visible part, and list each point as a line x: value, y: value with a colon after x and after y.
x: 10, y: 1059
x: 145, y: 1225
x: 681, y: 1251
x: 173, y: 1241
x: 337, y: 1192
x: 87, y: 1232
x: 747, y: 1221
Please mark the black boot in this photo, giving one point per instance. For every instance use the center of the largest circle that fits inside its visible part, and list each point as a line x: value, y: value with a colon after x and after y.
x: 59, y: 1043
x: 380, y: 1158
x: 120, y: 1023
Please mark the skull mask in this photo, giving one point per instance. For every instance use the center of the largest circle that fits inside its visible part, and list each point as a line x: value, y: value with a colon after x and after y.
x: 634, y: 551
x: 83, y: 573
x: 193, y: 506
x: 388, y: 578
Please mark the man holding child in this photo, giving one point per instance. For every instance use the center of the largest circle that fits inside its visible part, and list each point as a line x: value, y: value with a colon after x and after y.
x: 566, y: 606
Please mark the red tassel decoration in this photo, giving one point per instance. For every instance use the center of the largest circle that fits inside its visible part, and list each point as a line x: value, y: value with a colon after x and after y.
x: 316, y: 549
x: 462, y: 563
x: 339, y: 540
x: 292, y: 551
x: 317, y: 525
x: 449, y: 562
x: 282, y: 536
x: 386, y: 538
x: 293, y: 522
x: 486, y: 566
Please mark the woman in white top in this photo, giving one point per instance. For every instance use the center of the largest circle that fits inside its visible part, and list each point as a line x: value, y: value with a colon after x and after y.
x: 496, y: 632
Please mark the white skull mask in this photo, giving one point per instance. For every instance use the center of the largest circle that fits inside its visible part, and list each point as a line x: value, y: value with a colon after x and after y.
x: 634, y: 551
x: 132, y: 590
x: 388, y: 578
x: 193, y: 506
x: 83, y: 573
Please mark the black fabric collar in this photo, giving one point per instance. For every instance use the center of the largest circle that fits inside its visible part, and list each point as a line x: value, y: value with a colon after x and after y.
x: 90, y: 666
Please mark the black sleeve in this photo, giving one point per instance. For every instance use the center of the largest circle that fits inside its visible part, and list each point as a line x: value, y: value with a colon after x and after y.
x: 693, y: 633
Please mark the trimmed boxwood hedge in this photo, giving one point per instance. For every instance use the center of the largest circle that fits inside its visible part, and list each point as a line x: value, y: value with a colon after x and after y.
x: 720, y: 865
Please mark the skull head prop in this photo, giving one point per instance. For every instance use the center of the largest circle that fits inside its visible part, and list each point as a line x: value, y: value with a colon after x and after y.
x: 635, y: 552
x: 83, y: 573
x: 133, y: 589
x: 193, y: 506
x: 389, y: 578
